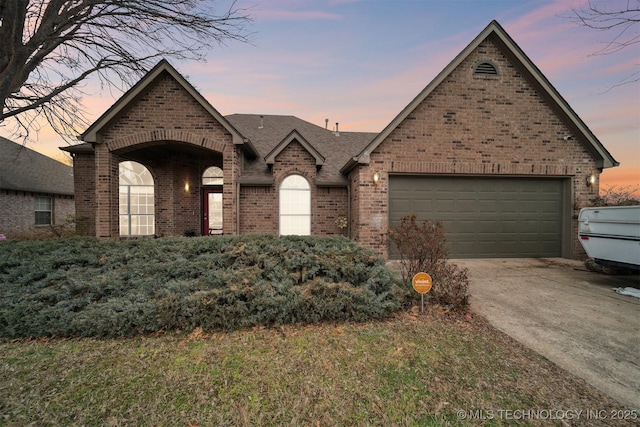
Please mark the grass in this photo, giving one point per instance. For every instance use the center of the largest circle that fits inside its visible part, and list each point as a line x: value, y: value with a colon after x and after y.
x: 403, y: 370
x: 411, y: 370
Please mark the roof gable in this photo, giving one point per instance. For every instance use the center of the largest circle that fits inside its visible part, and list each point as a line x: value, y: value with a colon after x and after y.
x: 520, y: 59
x: 90, y: 135
x: 294, y: 135
x: 271, y: 133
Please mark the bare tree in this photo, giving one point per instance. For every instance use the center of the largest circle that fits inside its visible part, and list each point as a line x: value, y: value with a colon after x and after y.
x: 48, y: 48
x: 619, y: 20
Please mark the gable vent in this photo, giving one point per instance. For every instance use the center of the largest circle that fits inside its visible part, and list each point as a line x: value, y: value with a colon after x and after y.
x: 485, y: 69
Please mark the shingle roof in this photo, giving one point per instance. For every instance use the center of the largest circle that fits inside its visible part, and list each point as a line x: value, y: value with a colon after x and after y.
x: 266, y: 132
x: 23, y: 169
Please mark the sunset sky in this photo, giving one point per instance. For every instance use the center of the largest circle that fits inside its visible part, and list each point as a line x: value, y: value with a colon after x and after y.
x: 360, y: 63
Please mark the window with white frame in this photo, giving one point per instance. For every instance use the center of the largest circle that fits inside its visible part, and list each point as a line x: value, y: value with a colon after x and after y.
x: 43, y: 210
x: 212, y: 176
x: 295, y: 206
x: 137, y: 211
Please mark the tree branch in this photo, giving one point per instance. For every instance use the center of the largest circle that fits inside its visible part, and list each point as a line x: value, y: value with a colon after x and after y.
x: 48, y: 47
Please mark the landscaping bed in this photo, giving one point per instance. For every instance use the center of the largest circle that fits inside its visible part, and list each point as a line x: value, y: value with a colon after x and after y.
x: 95, y: 288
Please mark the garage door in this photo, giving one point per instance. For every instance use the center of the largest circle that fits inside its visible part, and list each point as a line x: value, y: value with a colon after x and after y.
x: 485, y: 217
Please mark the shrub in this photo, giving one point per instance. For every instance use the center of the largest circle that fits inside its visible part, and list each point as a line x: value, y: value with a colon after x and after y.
x: 626, y: 195
x: 422, y: 248
x: 88, y: 287
x: 450, y: 285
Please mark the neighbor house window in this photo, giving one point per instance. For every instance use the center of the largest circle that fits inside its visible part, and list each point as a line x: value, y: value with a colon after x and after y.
x: 295, y: 206
x: 137, y: 216
x: 43, y: 210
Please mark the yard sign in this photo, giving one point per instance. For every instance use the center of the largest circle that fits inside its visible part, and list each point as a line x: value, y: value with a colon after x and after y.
x: 422, y: 285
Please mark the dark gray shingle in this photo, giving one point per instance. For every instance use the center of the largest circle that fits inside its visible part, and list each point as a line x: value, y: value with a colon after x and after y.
x: 23, y: 169
x: 269, y: 130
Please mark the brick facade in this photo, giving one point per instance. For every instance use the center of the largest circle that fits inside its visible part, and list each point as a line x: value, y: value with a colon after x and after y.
x: 510, y: 124
x: 259, y: 206
x: 473, y: 125
x: 85, y: 192
x: 171, y: 134
x: 257, y: 212
x: 17, y: 214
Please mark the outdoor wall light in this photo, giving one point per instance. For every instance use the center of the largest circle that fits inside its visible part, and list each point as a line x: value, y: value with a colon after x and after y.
x: 186, y: 187
x: 376, y: 178
x: 591, y: 180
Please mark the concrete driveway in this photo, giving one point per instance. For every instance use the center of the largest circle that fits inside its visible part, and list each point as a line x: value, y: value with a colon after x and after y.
x: 566, y: 313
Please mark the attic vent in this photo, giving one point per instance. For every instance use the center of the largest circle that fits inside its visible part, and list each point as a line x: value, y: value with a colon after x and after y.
x: 485, y: 69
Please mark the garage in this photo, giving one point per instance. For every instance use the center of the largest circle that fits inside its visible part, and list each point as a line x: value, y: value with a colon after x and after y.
x: 487, y: 217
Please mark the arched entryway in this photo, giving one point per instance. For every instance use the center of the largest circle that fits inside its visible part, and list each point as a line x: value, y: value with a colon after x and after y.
x: 178, y: 183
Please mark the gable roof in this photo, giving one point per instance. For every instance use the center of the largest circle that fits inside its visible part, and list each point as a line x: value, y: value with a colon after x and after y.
x: 294, y: 135
x: 90, y: 135
x: 529, y: 69
x: 23, y: 169
x: 272, y: 133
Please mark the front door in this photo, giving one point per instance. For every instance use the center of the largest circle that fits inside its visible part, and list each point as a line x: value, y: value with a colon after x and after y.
x: 212, y: 212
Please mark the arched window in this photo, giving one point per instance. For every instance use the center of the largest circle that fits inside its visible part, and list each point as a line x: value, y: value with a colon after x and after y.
x: 137, y: 216
x: 212, y: 176
x: 295, y: 206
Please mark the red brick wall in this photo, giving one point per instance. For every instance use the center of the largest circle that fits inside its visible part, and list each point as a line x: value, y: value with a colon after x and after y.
x: 259, y: 206
x: 231, y: 168
x: 165, y: 114
x: 85, y: 193
x: 106, y: 194
x: 471, y: 125
x: 258, y: 210
x: 330, y: 204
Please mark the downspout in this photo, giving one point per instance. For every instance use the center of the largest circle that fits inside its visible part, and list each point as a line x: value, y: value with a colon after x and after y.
x: 349, y: 210
x: 240, y: 154
x: 237, y: 208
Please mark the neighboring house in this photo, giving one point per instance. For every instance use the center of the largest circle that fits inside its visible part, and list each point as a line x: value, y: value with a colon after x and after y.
x: 489, y: 148
x: 36, y: 192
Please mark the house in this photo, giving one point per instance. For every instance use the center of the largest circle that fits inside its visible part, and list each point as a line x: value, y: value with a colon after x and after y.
x: 489, y: 148
x: 36, y: 192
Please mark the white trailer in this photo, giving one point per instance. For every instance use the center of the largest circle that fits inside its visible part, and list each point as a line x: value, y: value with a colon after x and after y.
x: 611, y: 235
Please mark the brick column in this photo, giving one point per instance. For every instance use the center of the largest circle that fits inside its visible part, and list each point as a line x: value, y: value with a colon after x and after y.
x: 231, y: 170
x: 106, y: 195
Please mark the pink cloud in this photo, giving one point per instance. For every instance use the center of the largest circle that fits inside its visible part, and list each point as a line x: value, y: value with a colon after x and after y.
x: 536, y: 22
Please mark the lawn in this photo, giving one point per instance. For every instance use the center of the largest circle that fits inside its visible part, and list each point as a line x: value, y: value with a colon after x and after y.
x: 122, y: 333
x: 410, y: 370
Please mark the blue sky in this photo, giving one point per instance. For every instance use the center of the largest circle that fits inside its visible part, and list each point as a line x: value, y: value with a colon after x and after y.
x: 360, y: 62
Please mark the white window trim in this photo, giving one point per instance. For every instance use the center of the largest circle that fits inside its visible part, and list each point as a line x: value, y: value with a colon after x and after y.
x: 283, y: 215
x: 37, y: 210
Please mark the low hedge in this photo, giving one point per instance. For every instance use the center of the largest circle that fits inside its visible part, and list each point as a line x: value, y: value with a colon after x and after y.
x: 94, y: 288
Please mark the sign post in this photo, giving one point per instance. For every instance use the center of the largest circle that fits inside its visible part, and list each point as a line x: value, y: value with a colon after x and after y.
x: 422, y: 285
